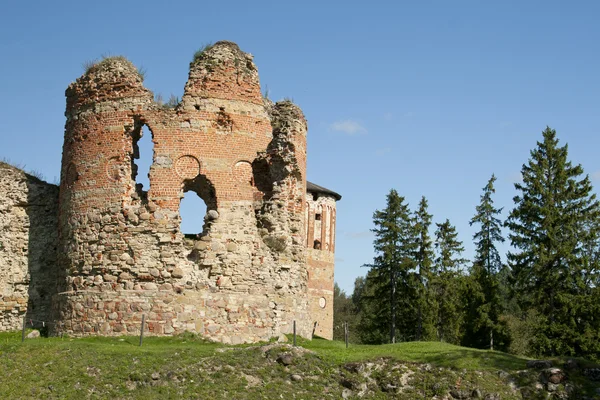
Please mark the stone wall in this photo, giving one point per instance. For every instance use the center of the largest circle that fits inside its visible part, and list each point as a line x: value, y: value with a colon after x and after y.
x: 28, y: 240
x: 121, y: 243
x: 102, y: 251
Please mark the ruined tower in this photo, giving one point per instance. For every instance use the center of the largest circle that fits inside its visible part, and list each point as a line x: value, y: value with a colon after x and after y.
x: 320, y: 214
x: 252, y: 271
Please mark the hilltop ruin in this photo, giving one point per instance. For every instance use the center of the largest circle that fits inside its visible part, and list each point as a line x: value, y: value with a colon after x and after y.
x: 95, y: 255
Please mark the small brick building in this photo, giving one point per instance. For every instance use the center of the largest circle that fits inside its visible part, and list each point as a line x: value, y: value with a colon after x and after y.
x: 264, y: 258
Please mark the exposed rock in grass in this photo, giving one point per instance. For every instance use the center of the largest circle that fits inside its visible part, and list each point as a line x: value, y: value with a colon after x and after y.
x: 554, y: 375
x: 34, y: 334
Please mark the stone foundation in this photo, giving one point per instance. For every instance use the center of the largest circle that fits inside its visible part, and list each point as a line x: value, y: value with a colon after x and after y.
x: 224, y: 317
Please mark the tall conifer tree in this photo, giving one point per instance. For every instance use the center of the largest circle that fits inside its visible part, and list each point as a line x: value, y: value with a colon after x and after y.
x: 394, y: 246
x: 484, y: 296
x: 553, y: 225
x: 445, y: 282
x: 426, y: 308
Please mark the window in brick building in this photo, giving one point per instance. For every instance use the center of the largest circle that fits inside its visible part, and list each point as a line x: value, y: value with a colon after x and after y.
x: 198, y: 207
x: 143, y: 152
x: 192, y: 210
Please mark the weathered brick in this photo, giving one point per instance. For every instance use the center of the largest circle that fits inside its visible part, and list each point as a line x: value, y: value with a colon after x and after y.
x: 121, y: 244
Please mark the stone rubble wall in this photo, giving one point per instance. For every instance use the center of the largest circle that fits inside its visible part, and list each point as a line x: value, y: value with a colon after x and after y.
x: 102, y: 251
x: 121, y: 244
x: 28, y: 240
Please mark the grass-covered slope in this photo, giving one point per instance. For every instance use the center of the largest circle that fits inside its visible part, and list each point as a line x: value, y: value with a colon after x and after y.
x: 187, y: 367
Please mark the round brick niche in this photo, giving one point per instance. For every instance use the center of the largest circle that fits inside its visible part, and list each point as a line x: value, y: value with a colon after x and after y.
x: 322, y: 302
x: 114, y: 169
x: 242, y: 171
x: 187, y: 167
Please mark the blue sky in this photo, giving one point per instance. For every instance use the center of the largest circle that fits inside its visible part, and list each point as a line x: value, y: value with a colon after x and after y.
x: 427, y: 97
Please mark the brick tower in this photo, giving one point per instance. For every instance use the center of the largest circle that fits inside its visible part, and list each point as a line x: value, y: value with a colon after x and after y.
x: 122, y: 253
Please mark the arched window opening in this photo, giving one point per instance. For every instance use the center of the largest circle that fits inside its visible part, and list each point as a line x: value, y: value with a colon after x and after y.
x: 142, y: 158
x: 317, y: 245
x: 198, y: 207
x: 192, y: 211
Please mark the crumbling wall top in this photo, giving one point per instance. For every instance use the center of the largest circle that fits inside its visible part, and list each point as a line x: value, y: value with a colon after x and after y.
x: 113, y: 78
x: 223, y: 71
x: 285, y: 112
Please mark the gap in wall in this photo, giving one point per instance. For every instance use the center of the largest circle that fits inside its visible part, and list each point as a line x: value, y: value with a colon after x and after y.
x: 192, y: 210
x: 143, y: 157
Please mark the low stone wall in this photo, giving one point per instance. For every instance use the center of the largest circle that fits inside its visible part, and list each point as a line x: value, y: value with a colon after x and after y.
x: 224, y: 317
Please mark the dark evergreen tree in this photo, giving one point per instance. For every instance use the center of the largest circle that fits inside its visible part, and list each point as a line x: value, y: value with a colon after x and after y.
x: 446, y: 282
x: 345, y: 312
x: 555, y: 229
x: 373, y: 322
x: 483, y: 299
x: 426, y: 307
x: 390, y: 273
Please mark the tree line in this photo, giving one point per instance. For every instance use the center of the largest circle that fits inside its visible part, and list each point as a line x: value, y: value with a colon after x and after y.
x: 544, y: 300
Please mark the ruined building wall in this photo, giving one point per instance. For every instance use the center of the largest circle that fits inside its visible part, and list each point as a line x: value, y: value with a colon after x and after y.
x: 28, y: 240
x: 320, y: 217
x: 244, y: 278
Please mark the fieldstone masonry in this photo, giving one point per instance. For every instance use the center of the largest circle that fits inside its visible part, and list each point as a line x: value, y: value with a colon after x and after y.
x: 28, y: 241
x: 265, y: 256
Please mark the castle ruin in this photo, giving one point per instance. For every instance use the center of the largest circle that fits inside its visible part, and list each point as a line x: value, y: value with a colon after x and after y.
x: 93, y: 256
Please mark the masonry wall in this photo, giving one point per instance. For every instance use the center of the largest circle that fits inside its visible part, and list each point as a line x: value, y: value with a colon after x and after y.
x: 320, y: 217
x: 244, y: 278
x: 28, y: 240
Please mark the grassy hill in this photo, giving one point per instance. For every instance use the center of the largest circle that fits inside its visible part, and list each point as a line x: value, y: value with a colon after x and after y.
x: 188, y: 367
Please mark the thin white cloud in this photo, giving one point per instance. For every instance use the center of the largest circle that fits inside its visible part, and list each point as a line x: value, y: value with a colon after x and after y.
x: 359, y: 235
x: 383, y: 151
x: 348, y: 126
x: 388, y: 116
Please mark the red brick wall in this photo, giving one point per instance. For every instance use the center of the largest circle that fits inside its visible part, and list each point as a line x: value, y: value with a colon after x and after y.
x: 321, y: 261
x: 247, y: 160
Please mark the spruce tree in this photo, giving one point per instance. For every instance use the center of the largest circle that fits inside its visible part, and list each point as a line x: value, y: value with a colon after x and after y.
x: 483, y: 297
x: 426, y: 306
x: 394, y: 246
x: 446, y: 281
x: 553, y: 226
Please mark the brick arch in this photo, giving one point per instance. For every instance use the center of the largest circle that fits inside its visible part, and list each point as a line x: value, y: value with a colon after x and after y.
x: 204, y: 188
x: 243, y: 172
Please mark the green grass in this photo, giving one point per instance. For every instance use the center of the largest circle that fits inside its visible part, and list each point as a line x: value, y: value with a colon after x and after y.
x: 186, y: 366
x: 89, y: 65
x: 437, y: 353
x: 200, y: 52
